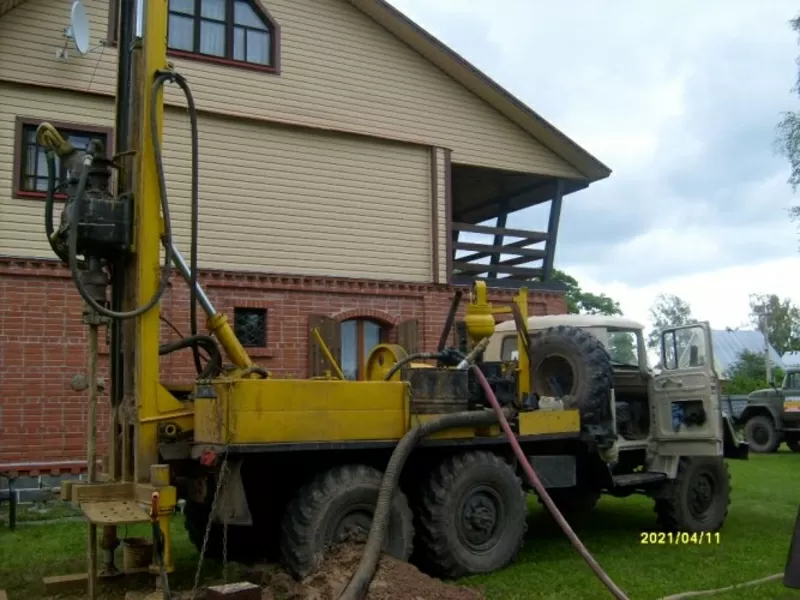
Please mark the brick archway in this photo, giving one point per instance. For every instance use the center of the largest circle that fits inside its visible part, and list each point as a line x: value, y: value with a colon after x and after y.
x: 382, y: 317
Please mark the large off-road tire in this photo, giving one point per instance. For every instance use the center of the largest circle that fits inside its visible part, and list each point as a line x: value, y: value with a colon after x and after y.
x: 243, y: 542
x: 697, y: 500
x: 470, y: 516
x: 337, y: 506
x: 580, y: 365
x: 761, y: 434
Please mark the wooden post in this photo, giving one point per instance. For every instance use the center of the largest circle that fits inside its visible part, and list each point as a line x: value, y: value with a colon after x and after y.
x: 552, y: 230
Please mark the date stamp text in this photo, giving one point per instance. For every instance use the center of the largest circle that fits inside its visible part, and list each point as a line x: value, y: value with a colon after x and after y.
x: 663, y: 538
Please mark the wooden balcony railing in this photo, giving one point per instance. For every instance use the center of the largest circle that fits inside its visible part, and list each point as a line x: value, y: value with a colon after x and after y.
x: 521, y: 267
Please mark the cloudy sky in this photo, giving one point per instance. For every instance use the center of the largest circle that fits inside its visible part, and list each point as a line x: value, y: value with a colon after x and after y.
x: 680, y: 99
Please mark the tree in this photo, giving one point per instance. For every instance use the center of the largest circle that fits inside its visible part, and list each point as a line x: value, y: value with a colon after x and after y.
x: 749, y: 373
x: 668, y: 310
x: 783, y: 322
x: 581, y: 302
x: 787, y: 142
x: 623, y: 348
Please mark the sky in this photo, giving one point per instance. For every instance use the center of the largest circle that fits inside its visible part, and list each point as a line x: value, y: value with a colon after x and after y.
x: 680, y: 99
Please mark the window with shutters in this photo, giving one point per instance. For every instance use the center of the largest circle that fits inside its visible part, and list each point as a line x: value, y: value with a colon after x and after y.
x: 358, y: 338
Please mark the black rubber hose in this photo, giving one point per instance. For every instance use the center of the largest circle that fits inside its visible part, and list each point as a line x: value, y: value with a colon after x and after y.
x: 195, y: 218
x: 404, y: 361
x: 214, y: 365
x: 359, y: 582
x: 166, y: 238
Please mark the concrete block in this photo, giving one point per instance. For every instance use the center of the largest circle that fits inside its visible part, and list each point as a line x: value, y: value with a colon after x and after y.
x: 58, y: 585
x: 242, y: 590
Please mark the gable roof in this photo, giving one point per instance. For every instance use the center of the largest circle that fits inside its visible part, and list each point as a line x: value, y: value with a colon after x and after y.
x: 730, y: 343
x: 482, y: 86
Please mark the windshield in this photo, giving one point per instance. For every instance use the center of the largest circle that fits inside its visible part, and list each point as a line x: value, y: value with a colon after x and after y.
x: 622, y: 345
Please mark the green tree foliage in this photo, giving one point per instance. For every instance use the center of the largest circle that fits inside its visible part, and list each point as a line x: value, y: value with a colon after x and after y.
x: 622, y: 348
x: 749, y: 373
x: 783, y: 323
x: 787, y: 142
x: 668, y: 310
x: 582, y: 302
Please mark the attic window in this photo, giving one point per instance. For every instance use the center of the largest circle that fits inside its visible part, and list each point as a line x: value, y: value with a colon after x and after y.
x: 226, y: 31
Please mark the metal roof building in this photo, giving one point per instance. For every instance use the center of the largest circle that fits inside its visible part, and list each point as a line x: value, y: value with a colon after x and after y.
x: 730, y: 343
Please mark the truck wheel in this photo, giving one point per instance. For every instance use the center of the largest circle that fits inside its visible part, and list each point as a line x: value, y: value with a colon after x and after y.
x: 580, y: 366
x: 761, y: 435
x: 698, y: 498
x: 335, y: 507
x: 471, y: 516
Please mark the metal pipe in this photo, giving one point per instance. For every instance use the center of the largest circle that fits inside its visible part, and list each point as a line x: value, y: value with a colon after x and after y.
x: 186, y: 273
x: 91, y: 453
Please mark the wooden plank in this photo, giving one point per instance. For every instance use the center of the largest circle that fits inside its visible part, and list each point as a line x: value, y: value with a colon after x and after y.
x: 510, y: 245
x: 533, y: 236
x: 59, y: 585
x: 481, y: 268
x: 497, y: 250
x: 99, y: 492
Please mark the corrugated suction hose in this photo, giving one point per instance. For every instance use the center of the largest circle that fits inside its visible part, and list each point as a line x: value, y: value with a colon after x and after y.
x: 359, y: 583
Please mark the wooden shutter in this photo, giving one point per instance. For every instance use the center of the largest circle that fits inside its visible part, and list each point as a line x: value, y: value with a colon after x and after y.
x: 408, y: 335
x: 330, y: 333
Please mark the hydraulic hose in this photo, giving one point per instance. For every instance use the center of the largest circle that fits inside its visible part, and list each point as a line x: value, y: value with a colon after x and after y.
x: 195, y: 194
x: 533, y: 479
x: 214, y: 365
x: 359, y: 582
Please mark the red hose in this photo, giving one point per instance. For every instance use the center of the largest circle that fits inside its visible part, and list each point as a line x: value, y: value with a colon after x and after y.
x: 534, y: 481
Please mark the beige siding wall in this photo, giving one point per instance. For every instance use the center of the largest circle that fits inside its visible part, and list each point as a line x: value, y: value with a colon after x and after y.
x: 272, y: 198
x: 22, y: 220
x: 340, y: 70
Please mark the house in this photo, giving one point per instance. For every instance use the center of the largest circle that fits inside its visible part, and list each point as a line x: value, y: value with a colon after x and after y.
x: 343, y: 150
x: 730, y: 343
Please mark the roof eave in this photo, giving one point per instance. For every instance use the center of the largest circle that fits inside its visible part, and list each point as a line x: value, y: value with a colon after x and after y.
x: 483, y: 86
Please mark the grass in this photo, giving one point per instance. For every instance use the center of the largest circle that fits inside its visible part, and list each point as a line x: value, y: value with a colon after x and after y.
x: 754, y: 543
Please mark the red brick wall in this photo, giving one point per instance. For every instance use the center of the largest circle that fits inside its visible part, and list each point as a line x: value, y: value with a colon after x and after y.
x: 43, y: 343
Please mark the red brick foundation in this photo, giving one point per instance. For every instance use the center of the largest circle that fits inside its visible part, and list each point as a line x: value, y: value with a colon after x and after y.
x: 43, y: 341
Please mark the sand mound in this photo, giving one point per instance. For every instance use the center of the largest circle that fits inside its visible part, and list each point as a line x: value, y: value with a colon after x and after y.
x: 394, y: 580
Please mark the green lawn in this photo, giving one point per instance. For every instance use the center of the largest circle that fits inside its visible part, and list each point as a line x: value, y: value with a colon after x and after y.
x: 754, y: 543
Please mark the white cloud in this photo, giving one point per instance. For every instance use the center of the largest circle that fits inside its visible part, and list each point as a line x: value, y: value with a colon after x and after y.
x: 680, y: 99
x: 720, y: 296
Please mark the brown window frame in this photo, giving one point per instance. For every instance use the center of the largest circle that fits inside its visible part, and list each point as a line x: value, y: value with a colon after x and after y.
x: 361, y: 366
x: 65, y: 129
x: 273, y: 68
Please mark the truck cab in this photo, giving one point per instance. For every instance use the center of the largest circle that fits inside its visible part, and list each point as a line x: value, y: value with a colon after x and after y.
x: 673, y: 410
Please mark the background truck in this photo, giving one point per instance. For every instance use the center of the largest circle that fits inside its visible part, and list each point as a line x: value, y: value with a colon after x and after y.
x: 772, y: 415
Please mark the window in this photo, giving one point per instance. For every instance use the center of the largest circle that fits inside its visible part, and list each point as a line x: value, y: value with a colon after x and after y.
x: 30, y: 162
x: 684, y: 348
x: 230, y: 30
x: 358, y: 338
x: 250, y: 326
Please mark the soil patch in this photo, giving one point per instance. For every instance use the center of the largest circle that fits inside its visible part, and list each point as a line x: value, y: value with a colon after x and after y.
x: 393, y: 580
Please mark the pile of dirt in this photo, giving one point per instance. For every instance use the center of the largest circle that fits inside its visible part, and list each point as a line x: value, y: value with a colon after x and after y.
x: 393, y: 580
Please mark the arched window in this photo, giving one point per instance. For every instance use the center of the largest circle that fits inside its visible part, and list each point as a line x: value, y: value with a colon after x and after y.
x: 358, y: 338
x: 234, y: 30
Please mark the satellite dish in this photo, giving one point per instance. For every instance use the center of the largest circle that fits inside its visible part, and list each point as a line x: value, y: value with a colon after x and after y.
x: 79, y: 27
